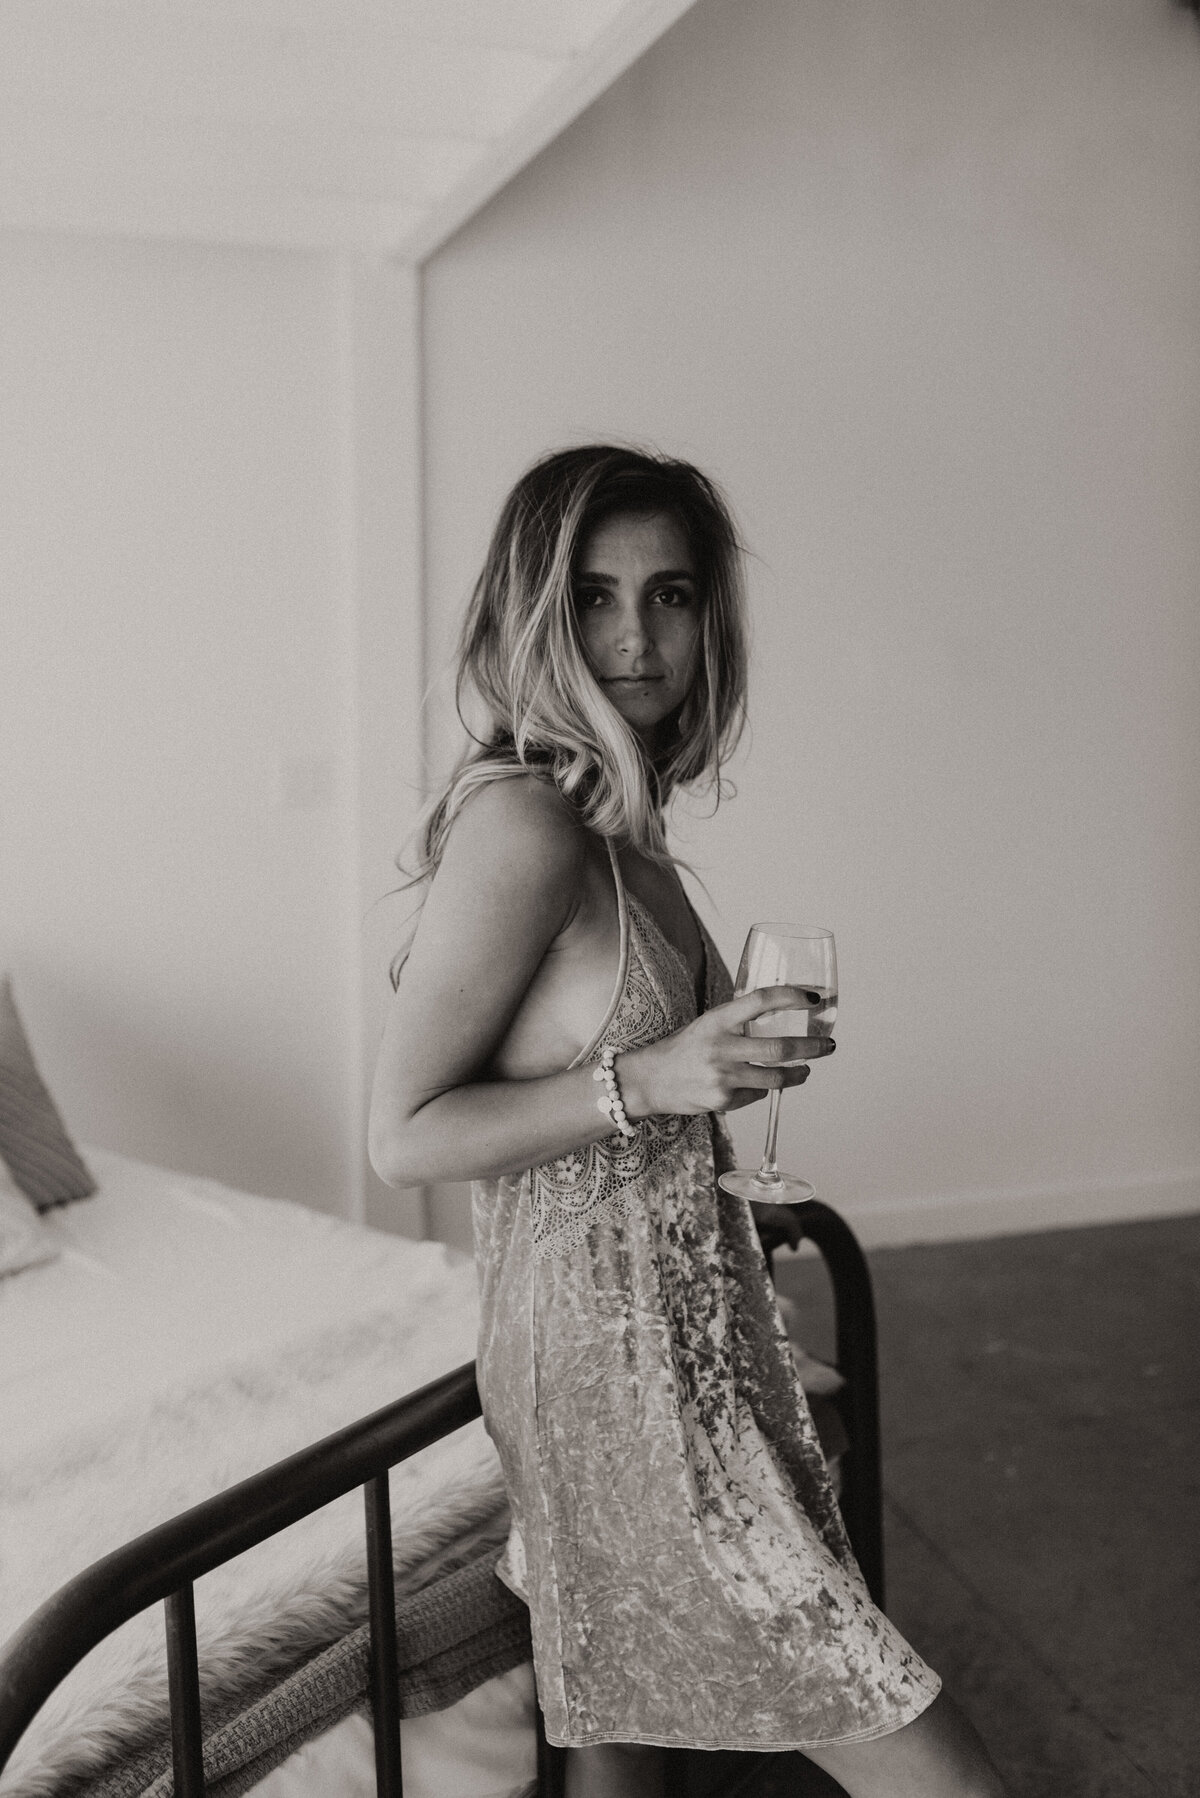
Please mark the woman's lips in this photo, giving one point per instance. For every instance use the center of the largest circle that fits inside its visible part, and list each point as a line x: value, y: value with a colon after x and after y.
x: 631, y: 680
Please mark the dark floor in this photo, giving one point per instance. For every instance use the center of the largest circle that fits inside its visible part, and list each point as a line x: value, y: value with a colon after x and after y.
x: 1041, y: 1470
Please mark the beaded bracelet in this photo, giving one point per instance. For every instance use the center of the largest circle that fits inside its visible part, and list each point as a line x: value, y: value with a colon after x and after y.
x: 610, y: 1101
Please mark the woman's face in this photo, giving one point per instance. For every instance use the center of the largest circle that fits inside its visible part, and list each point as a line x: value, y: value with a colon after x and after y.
x: 638, y: 608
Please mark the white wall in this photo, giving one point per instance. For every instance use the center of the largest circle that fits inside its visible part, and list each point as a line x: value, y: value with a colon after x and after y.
x: 176, y: 630
x: 918, y: 282
x: 380, y: 390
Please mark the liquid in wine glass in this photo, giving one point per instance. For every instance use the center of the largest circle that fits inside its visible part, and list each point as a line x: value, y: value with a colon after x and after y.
x: 784, y: 955
x: 813, y: 1020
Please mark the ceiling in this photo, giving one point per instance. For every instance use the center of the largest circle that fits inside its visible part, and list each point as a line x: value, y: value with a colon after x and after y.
x: 374, y: 127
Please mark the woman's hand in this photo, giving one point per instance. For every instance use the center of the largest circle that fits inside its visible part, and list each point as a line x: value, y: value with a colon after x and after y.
x: 712, y: 1066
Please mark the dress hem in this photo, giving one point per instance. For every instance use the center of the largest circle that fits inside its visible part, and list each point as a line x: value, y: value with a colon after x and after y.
x: 748, y: 1744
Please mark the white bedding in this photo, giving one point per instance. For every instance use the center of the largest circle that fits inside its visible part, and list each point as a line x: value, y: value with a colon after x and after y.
x: 189, y: 1335
x: 162, y: 1275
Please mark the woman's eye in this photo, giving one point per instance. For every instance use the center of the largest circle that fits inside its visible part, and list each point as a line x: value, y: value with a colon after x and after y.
x: 673, y: 596
x: 587, y: 598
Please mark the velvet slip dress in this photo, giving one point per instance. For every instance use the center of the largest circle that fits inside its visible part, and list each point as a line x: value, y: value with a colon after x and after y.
x: 674, y: 1532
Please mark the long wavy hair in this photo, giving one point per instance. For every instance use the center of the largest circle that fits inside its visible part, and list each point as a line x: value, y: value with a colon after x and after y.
x: 521, y: 659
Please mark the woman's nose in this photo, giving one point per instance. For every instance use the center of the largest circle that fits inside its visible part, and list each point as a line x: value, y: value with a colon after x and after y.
x: 633, y: 633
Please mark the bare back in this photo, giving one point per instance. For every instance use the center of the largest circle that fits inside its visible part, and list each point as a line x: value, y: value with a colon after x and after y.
x: 572, y: 991
x: 515, y: 959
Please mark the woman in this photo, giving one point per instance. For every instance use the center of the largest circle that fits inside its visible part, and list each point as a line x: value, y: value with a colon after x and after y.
x: 563, y: 1034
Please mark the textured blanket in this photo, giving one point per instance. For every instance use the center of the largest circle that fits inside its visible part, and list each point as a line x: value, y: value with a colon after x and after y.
x: 299, y: 1590
x: 464, y: 1628
x: 89, y: 1462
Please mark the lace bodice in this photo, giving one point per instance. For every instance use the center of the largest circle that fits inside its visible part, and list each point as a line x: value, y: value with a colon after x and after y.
x: 656, y: 999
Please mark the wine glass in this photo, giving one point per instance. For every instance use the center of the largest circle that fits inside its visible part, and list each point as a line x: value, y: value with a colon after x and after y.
x: 784, y: 955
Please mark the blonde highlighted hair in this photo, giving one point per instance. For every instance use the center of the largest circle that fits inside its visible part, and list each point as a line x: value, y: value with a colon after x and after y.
x: 521, y: 655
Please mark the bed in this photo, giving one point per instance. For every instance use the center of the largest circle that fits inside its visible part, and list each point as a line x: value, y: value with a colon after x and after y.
x: 165, y: 1338
x: 184, y: 1336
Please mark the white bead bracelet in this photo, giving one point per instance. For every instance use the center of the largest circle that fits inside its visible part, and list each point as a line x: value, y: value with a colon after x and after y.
x: 610, y: 1101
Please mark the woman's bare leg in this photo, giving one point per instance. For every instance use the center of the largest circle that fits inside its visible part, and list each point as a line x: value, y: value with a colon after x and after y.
x: 937, y: 1755
x: 615, y: 1770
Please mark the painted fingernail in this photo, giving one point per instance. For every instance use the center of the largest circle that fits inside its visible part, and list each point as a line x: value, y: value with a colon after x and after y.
x: 813, y: 997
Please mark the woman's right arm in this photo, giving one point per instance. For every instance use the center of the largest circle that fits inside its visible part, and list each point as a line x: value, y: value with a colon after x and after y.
x: 508, y: 884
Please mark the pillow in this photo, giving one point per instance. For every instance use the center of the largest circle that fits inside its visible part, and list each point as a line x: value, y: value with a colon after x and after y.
x: 40, y: 1155
x: 24, y: 1238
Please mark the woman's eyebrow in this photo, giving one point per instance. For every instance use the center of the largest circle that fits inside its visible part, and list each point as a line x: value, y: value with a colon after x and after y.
x: 593, y: 578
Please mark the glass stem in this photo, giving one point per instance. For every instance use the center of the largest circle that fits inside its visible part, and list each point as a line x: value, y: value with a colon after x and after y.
x: 768, y: 1173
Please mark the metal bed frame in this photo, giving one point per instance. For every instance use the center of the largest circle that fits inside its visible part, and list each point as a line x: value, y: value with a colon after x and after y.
x: 163, y: 1564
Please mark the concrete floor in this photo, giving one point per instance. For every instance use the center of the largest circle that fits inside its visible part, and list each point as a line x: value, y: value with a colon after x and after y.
x: 1040, y: 1399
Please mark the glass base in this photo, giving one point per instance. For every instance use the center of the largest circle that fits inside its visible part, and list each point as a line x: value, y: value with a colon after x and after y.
x: 779, y: 1189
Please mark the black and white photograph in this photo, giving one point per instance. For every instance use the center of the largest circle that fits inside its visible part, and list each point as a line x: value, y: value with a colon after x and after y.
x: 600, y: 916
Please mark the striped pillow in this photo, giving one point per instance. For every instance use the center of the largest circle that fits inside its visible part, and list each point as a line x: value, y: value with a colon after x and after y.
x: 34, y: 1143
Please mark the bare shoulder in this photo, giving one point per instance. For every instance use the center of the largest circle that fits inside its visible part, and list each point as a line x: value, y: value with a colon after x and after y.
x: 518, y: 836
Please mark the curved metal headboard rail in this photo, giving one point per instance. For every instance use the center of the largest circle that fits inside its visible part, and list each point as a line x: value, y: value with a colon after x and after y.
x: 163, y: 1563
